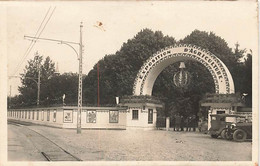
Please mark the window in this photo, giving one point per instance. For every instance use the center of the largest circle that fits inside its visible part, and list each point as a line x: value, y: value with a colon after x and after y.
x: 113, y: 116
x: 22, y: 114
x: 48, y: 115
x: 25, y: 116
x: 29, y: 115
x: 68, y: 116
x: 37, y: 116
x: 222, y: 119
x: 135, y: 114
x: 91, y: 116
x: 42, y: 115
x: 150, y: 116
x: 54, y: 116
x: 220, y: 112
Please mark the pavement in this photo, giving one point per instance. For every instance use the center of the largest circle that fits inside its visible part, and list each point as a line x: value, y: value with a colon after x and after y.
x: 126, y: 145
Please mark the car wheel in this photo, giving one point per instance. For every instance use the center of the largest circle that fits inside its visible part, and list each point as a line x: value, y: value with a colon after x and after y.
x: 223, y: 134
x: 239, y: 135
x: 214, y: 135
x: 228, y: 135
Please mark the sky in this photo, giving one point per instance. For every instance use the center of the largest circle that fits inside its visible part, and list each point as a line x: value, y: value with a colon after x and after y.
x: 233, y: 21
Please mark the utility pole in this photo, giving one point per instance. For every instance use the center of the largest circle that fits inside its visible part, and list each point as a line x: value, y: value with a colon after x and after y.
x: 10, y: 96
x: 10, y: 90
x: 79, y: 55
x: 39, y: 84
x: 98, y: 98
x: 34, y: 80
x: 80, y: 83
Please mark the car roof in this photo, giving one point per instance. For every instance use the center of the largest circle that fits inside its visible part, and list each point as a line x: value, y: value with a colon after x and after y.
x: 228, y: 115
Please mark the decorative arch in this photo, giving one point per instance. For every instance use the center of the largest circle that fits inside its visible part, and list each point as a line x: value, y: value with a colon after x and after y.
x: 148, y: 73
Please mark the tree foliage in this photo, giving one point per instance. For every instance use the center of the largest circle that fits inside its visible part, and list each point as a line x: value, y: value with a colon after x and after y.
x: 117, y: 73
x: 29, y: 78
x: 52, y: 85
x: 60, y: 85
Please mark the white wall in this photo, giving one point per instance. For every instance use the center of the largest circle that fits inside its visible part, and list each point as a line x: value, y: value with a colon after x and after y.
x: 142, y: 121
x: 102, y: 117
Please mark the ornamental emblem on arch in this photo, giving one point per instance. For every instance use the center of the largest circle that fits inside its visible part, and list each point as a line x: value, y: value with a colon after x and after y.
x: 182, y: 78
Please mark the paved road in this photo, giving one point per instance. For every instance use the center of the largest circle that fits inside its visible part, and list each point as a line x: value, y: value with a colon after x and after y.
x: 27, y: 144
x: 121, y: 145
x: 20, y: 148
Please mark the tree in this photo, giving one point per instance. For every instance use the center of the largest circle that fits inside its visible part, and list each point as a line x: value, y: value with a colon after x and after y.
x: 118, y: 71
x: 52, y: 85
x: 247, y: 80
x: 15, y: 101
x: 29, y: 79
x: 59, y: 85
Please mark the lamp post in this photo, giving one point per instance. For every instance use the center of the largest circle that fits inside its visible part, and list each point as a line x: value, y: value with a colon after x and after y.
x: 79, y: 55
x: 39, y: 85
x: 38, y: 82
x: 80, y: 84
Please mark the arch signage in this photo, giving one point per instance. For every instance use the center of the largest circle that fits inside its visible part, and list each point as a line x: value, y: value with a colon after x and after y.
x: 148, y: 73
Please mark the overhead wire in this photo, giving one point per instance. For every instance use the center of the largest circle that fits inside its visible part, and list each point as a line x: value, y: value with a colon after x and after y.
x: 34, y: 41
x: 29, y: 48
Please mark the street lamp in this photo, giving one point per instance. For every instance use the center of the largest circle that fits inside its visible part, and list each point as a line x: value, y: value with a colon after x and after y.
x: 79, y: 55
x: 38, y: 82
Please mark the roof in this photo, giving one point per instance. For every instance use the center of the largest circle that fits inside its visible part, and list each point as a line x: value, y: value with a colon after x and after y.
x: 227, y: 115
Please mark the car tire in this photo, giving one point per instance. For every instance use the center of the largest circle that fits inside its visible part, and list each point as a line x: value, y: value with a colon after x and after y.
x: 228, y: 136
x: 214, y: 135
x: 223, y: 134
x: 239, y: 135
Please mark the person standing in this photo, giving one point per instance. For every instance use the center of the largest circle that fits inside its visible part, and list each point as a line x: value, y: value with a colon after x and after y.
x: 182, y: 123
x: 188, y: 120
x: 193, y: 122
x: 173, y: 123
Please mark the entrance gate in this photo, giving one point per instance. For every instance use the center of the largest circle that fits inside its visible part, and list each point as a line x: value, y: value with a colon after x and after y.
x: 148, y: 73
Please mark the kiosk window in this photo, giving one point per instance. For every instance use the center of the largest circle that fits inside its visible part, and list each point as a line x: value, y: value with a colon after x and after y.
x: 150, y: 116
x: 135, y: 114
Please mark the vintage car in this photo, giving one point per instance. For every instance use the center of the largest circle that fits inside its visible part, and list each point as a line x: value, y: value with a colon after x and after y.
x: 239, y: 131
x: 219, y: 123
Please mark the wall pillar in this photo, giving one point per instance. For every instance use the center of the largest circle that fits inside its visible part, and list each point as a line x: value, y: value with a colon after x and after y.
x: 167, y: 123
x: 209, y: 118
